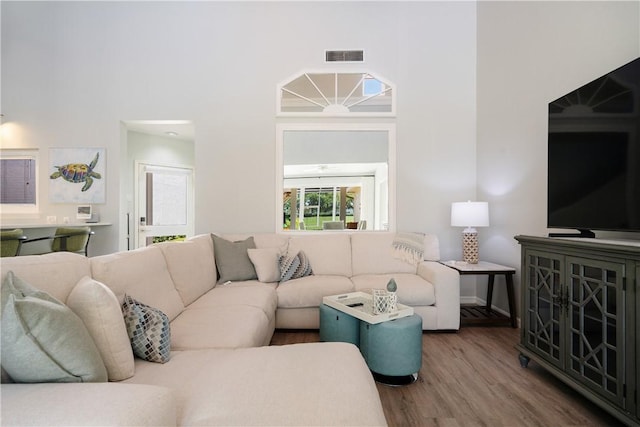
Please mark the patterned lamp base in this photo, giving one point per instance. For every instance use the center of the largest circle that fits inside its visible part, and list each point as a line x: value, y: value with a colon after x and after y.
x: 470, y: 247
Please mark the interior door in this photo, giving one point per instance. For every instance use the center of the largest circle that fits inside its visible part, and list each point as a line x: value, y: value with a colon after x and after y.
x: 164, y: 203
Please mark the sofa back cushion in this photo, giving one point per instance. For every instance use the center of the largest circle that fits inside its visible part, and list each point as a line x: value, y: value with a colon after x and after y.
x: 142, y: 274
x: 431, y: 248
x: 262, y: 240
x: 373, y: 253
x: 191, y: 266
x: 55, y: 273
x: 101, y: 313
x: 328, y: 253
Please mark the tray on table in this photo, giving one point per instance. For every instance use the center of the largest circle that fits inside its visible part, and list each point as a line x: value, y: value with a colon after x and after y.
x: 360, y: 306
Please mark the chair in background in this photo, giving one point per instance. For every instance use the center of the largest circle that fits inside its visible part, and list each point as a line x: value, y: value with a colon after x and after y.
x: 67, y: 239
x: 11, y: 242
x: 362, y: 225
x: 333, y: 225
x: 72, y: 239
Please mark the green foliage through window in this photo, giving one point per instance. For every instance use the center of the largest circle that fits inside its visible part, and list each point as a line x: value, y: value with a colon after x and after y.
x: 159, y: 239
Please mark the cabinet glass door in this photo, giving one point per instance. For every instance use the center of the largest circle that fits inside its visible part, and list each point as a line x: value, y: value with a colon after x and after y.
x: 595, y: 325
x: 543, y: 305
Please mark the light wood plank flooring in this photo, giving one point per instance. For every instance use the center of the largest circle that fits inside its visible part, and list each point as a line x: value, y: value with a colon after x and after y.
x: 473, y: 378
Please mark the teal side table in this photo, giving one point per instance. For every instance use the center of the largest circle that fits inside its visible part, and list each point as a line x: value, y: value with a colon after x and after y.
x: 338, y: 326
x: 393, y: 349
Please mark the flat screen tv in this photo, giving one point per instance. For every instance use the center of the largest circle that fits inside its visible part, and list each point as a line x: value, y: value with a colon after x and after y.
x: 594, y: 155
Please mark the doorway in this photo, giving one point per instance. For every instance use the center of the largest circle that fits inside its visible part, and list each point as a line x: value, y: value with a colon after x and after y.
x: 164, y: 203
x: 159, y: 162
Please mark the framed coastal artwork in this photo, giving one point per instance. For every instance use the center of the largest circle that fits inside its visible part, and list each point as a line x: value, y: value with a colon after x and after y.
x: 77, y: 175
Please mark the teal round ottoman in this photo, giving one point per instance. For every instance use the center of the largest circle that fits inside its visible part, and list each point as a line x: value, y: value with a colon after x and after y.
x: 393, y: 349
x: 338, y: 326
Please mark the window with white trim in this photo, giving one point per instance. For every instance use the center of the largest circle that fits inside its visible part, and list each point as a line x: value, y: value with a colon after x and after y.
x: 18, y: 180
x: 336, y: 94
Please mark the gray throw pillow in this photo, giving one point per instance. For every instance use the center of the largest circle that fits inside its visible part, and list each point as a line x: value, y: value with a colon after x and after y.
x: 43, y: 340
x: 232, y: 259
x: 148, y: 329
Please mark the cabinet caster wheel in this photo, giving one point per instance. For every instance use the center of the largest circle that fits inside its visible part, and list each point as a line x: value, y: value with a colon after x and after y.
x: 524, y: 360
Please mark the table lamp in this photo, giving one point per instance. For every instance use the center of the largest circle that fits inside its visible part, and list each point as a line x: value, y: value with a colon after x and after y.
x: 470, y: 214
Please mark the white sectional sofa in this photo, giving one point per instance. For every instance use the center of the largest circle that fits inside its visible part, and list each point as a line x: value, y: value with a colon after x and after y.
x: 221, y: 370
x: 353, y: 261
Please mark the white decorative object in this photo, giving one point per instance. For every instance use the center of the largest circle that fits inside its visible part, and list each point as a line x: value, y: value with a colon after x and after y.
x: 383, y: 301
x: 470, y: 214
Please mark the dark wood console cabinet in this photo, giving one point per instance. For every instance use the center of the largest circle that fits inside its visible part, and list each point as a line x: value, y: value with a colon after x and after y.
x: 580, y: 317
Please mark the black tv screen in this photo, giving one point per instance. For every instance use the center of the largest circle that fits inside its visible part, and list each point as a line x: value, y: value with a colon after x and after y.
x: 594, y: 154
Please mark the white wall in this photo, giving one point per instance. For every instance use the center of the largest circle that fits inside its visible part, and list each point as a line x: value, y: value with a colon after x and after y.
x: 530, y: 53
x: 72, y: 71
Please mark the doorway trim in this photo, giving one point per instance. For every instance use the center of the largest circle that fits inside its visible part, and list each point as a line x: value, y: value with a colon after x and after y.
x: 161, y: 230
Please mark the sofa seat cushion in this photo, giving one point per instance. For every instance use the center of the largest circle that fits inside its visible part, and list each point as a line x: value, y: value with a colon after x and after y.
x: 412, y: 290
x: 308, y: 291
x: 282, y: 385
x: 223, y: 326
x: 260, y: 297
x: 141, y: 274
x: 88, y: 404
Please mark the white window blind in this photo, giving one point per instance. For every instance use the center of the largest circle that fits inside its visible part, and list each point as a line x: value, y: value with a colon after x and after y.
x: 18, y: 179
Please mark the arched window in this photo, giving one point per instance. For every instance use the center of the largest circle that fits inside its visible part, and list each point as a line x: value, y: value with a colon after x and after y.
x: 336, y: 94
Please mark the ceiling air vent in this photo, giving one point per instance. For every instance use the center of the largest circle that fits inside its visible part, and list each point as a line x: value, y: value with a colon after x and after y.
x: 344, y: 56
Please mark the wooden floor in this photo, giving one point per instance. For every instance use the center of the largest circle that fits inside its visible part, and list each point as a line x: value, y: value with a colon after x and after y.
x: 473, y: 378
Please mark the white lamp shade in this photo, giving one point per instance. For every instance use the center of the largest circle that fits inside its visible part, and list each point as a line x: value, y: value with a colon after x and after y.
x: 470, y: 214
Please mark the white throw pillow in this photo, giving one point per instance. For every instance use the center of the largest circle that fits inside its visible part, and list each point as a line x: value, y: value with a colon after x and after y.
x: 265, y: 261
x: 98, y: 307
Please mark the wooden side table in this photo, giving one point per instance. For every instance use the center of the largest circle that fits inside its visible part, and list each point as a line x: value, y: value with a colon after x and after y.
x: 491, y: 270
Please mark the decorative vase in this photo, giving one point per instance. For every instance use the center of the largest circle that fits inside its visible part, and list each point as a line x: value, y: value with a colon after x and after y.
x: 384, y: 301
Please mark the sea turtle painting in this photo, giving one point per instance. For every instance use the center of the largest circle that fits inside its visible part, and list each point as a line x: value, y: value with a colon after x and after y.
x: 78, y: 172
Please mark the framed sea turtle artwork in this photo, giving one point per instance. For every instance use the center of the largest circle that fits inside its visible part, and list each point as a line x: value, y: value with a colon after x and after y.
x: 77, y: 175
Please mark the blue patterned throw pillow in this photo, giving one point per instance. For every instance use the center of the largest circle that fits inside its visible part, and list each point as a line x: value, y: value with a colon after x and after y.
x: 294, y: 267
x: 148, y: 330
